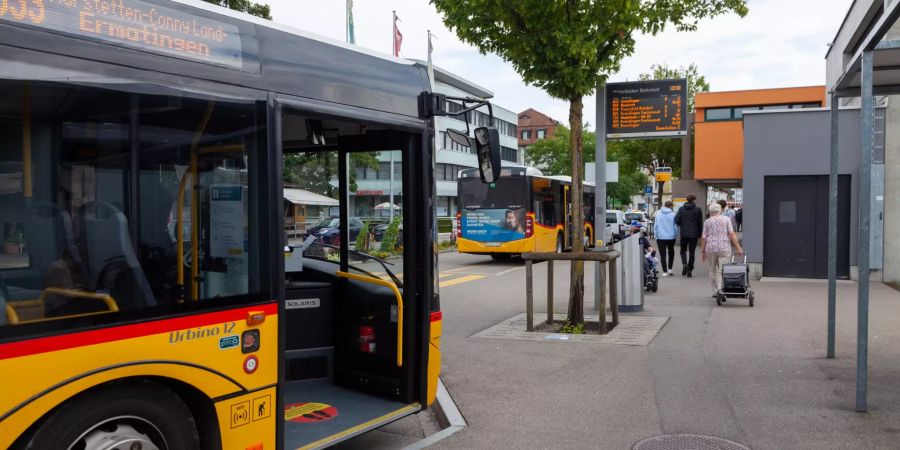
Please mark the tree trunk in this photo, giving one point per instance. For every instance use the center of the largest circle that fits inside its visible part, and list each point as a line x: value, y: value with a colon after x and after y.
x: 576, y: 197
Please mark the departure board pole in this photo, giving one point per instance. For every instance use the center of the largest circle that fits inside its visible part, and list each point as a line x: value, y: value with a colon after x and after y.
x: 600, y: 191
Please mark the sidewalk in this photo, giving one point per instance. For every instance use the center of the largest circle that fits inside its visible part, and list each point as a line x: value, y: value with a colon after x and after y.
x: 756, y: 376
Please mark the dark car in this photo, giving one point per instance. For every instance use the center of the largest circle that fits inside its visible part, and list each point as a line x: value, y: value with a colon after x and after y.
x: 380, y: 230
x: 328, y: 222
x: 331, y: 233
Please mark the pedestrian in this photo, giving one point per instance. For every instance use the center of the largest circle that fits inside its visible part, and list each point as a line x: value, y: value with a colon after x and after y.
x: 716, y: 244
x: 739, y: 218
x: 665, y: 230
x: 689, y: 219
x: 729, y: 213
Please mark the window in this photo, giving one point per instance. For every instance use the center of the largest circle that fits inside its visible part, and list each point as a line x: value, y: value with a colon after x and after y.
x: 541, y: 133
x: 508, y: 154
x: 714, y: 114
x: 93, y: 235
x: 526, y: 134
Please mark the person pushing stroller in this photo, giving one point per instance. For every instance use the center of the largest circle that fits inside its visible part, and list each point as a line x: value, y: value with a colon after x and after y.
x: 651, y: 273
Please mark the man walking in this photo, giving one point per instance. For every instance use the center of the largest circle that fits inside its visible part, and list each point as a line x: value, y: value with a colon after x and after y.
x: 690, y: 224
x: 664, y: 229
x: 718, y: 237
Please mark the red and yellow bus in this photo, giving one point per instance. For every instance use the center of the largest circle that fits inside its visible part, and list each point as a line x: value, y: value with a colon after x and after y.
x: 146, y: 299
x: 523, y: 211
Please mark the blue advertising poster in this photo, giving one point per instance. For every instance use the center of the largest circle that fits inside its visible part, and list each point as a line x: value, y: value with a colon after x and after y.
x: 493, y: 225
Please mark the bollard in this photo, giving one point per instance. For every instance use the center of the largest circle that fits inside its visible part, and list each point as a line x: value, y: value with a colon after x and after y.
x: 550, y: 292
x: 602, y: 309
x: 529, y: 298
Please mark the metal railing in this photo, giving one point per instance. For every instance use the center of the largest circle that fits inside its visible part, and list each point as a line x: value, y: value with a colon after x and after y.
x: 606, y: 259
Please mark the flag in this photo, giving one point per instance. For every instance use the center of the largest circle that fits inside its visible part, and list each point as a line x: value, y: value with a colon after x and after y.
x: 351, y: 37
x: 430, y: 65
x: 398, y: 37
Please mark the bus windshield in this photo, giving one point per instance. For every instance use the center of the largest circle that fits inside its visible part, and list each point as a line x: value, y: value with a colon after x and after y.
x: 507, y: 193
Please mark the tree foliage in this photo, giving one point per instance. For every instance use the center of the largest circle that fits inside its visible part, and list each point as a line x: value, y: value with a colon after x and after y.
x: 552, y: 156
x: 256, y: 9
x: 567, y: 48
x: 317, y: 171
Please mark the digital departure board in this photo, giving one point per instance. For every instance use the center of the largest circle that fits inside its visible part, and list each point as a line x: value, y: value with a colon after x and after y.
x: 134, y: 23
x: 646, y: 109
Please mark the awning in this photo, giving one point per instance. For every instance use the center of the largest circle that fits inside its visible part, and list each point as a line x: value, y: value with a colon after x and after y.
x: 304, y: 197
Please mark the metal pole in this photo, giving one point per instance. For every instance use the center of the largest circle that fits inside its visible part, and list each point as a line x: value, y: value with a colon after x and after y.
x: 867, y: 130
x: 600, y: 161
x: 391, y: 188
x: 529, y: 298
x: 832, y: 222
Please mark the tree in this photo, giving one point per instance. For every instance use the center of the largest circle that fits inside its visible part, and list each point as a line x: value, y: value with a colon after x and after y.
x: 552, y: 156
x: 651, y: 153
x: 568, y: 48
x: 315, y: 171
x: 256, y: 9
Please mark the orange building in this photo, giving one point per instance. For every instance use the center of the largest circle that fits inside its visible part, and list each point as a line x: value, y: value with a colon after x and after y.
x: 719, y: 127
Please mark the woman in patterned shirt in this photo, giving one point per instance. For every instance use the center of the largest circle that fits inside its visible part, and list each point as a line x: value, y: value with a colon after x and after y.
x: 718, y: 237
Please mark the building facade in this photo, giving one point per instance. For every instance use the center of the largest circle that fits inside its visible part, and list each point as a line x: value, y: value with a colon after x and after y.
x: 719, y: 128
x: 374, y: 186
x: 885, y: 200
x: 534, y: 126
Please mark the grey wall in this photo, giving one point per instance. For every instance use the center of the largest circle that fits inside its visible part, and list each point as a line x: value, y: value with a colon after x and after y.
x: 795, y: 143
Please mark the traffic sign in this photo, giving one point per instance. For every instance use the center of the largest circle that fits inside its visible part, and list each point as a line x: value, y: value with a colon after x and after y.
x: 648, y: 189
x: 663, y: 174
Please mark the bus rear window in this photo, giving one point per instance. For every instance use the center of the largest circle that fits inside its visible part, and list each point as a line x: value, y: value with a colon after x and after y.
x: 508, y: 192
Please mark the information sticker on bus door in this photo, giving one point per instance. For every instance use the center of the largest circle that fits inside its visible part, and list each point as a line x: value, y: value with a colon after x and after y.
x: 226, y: 214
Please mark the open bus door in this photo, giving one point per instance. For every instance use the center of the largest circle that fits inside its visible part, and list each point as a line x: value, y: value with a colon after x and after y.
x: 355, y: 337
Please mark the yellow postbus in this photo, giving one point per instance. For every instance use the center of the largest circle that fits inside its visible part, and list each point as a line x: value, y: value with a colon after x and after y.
x: 523, y: 211
x: 147, y: 298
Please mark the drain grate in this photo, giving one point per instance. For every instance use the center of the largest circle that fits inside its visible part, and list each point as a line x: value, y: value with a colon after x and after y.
x: 687, y: 442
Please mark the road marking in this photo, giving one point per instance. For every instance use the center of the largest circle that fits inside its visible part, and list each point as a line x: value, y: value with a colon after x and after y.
x: 460, y: 280
x: 456, y: 269
x: 509, y: 270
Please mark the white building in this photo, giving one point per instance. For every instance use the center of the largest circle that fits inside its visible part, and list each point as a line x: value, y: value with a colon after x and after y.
x: 373, y: 187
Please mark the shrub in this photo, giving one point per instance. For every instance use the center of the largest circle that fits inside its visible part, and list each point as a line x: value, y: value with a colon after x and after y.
x: 389, y: 242
x: 362, y: 240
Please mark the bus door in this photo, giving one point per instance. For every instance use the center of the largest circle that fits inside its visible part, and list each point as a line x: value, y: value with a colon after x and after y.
x: 353, y: 335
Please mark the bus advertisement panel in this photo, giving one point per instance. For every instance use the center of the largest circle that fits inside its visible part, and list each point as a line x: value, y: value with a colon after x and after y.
x: 523, y: 211
x: 493, y: 225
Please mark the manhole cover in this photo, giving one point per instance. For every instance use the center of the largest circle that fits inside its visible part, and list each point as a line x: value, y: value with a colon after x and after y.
x: 687, y: 442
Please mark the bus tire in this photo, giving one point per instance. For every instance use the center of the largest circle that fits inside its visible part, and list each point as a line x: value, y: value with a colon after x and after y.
x: 500, y: 256
x: 559, y: 243
x: 122, y: 416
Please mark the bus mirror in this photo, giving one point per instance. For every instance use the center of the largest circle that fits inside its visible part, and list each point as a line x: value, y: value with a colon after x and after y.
x: 487, y: 142
x: 459, y: 137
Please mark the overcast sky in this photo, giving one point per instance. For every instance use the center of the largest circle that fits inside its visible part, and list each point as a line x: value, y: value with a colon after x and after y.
x: 779, y: 43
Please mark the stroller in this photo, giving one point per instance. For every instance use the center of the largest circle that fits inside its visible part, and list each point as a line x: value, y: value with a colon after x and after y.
x: 735, y: 282
x: 651, y: 275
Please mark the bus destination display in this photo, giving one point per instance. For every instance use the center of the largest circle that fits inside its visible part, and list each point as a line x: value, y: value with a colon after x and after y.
x: 133, y: 23
x: 646, y: 109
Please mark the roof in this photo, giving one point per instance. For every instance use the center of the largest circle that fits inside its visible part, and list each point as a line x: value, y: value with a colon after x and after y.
x: 532, y: 113
x: 451, y: 79
x: 304, y: 197
x: 886, y: 59
x: 773, y: 96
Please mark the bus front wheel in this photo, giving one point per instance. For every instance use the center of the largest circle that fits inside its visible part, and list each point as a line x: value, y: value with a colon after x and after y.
x: 147, y: 416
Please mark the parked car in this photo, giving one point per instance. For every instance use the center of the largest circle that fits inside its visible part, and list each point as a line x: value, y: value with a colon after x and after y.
x: 640, y: 216
x: 616, y: 226
x: 329, y: 232
x: 381, y: 229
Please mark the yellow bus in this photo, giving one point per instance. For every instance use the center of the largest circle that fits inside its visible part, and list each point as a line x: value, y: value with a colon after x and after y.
x: 147, y: 299
x: 523, y: 211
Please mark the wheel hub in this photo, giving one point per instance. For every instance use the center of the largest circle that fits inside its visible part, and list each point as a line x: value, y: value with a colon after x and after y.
x: 121, y: 437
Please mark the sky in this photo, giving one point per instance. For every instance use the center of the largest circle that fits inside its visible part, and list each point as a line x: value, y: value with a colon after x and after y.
x: 780, y: 43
